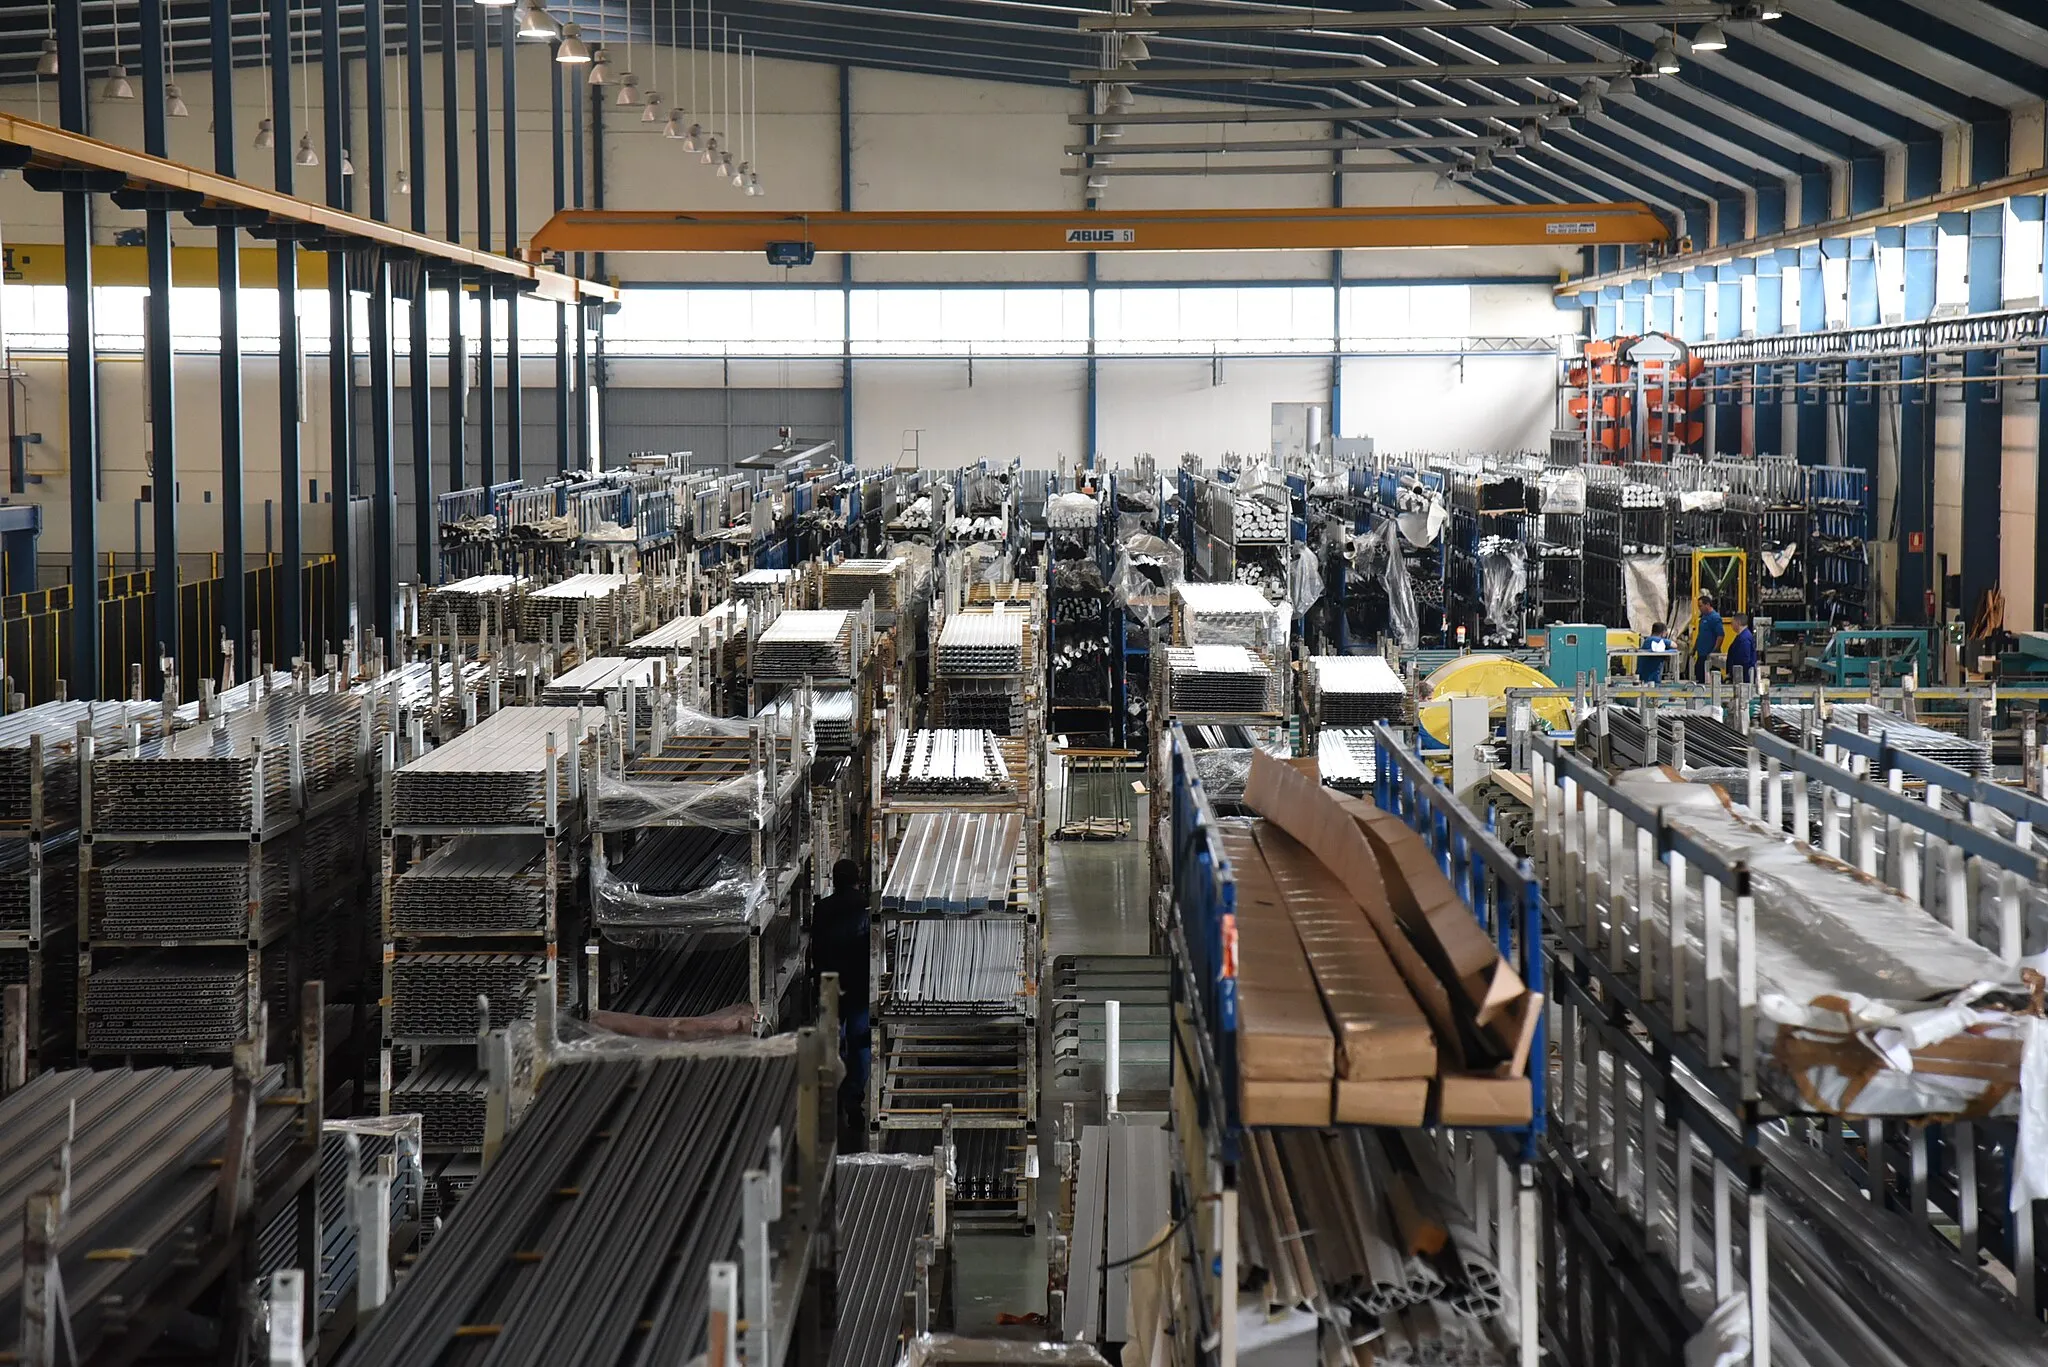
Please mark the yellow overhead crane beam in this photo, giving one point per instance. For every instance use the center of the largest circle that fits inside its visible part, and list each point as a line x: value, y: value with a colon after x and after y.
x: 42, y: 263
x: 37, y: 146
x: 1102, y: 230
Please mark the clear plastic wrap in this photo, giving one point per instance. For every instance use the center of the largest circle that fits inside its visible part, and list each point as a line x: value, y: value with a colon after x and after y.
x: 1647, y: 585
x: 1404, y: 622
x: 1072, y: 511
x: 732, y: 896
x: 942, y: 1350
x: 651, y: 1037
x: 1503, y: 579
x: 1304, y: 579
x: 1146, y: 571
x: 1564, y: 491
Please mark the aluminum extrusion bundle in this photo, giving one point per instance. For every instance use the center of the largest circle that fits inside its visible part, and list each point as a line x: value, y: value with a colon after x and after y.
x: 1972, y: 757
x: 474, y: 885
x: 955, y: 863
x: 603, y: 603
x: 884, y: 1207
x: 850, y: 583
x: 56, y: 726
x: 805, y: 644
x: 494, y: 774
x: 957, y: 965
x: 947, y: 761
x: 1356, y: 690
x: 1348, y: 759
x: 1709, y: 742
x: 449, y: 1093
x: 689, y: 973
x: 162, y: 1003
x: 433, y: 996
x: 981, y: 643
x: 1213, y: 679
x: 188, y: 892
x: 590, y: 1239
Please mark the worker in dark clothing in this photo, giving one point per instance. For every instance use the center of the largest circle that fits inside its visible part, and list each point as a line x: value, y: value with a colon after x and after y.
x: 1707, y: 639
x: 840, y: 934
x: 1657, y: 648
x: 1742, y: 654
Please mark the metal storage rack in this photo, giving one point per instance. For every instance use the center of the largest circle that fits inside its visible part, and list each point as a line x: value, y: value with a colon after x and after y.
x: 1838, y: 534
x: 1500, y: 1166
x: 514, y: 780
x: 1668, y: 1118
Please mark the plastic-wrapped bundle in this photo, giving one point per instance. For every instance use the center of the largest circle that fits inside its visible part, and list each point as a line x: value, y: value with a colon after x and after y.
x: 1503, y: 579
x: 1146, y: 571
x: 1403, y: 620
x: 1072, y: 512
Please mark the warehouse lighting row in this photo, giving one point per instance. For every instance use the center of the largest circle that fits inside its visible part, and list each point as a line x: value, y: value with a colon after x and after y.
x: 532, y: 22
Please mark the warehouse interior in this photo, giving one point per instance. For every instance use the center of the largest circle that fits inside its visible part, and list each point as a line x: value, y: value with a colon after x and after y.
x: 1024, y: 683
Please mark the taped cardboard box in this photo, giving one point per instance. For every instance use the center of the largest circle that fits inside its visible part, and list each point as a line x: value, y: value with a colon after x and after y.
x: 1471, y: 1099
x: 1282, y: 1034
x: 1381, y: 1032
x: 1422, y: 896
x: 1382, y: 1101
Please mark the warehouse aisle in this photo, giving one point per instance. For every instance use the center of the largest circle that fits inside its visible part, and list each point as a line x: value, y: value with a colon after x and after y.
x: 1094, y: 904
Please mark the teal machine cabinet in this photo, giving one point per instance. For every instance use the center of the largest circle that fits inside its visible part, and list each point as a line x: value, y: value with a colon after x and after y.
x: 1576, y: 648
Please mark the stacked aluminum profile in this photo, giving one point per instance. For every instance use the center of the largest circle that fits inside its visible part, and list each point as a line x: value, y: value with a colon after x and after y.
x: 684, y: 635
x: 947, y: 762
x: 1217, y: 679
x: 60, y: 888
x: 957, y: 965
x: 675, y: 861
x: 805, y: 644
x: 1973, y: 757
x: 1347, y: 759
x: 1222, y: 614
x: 1710, y: 743
x: 1356, y: 690
x: 954, y: 864
x: 755, y: 583
x: 604, y: 603
x: 201, y: 779
x: 992, y: 705
x: 1254, y: 519
x: 168, y: 1004
x: 465, y: 600
x: 449, y: 1093
x: 57, y: 723
x: 884, y: 1205
x: 694, y: 973
x: 1121, y: 1201
x: 190, y: 892
x: 494, y: 774
x: 433, y: 996
x: 588, y: 683
x: 474, y: 885
x: 981, y: 643
x: 851, y: 583
x: 832, y: 719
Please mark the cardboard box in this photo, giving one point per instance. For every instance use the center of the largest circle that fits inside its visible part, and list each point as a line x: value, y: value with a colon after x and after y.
x: 1381, y: 1032
x: 1423, y: 898
x: 1282, y: 1033
x: 1385, y: 1101
x: 1468, y: 1099
x: 1268, y: 1102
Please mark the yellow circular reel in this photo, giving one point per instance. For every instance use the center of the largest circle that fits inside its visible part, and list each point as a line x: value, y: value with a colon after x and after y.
x: 1489, y: 677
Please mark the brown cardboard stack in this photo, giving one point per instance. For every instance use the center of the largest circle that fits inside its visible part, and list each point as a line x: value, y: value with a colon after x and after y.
x: 1361, y: 970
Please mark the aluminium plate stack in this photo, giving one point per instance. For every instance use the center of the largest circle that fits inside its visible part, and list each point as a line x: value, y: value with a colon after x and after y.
x: 954, y: 863
x: 981, y: 643
x: 1356, y: 690
x: 474, y: 885
x: 163, y: 1003
x: 434, y: 995
x: 588, y: 684
x: 1348, y: 759
x: 851, y: 583
x: 947, y: 761
x: 805, y: 644
x: 1217, y: 679
x: 884, y: 1205
x: 162, y: 893
x: 684, y: 635
x: 201, y: 779
x: 494, y: 774
x: 604, y: 603
x: 449, y: 1093
x: 957, y: 965
x: 1222, y: 614
x: 57, y: 725
x: 465, y: 602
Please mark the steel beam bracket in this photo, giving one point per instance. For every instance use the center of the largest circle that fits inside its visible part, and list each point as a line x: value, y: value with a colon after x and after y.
x: 66, y: 180
x: 207, y: 216
x: 171, y: 201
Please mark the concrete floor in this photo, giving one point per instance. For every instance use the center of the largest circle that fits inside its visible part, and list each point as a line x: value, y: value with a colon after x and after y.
x: 1094, y: 903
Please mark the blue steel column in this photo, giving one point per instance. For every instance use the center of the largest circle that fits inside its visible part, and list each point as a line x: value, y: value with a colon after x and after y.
x: 590, y: 335
x: 486, y: 293
x: 228, y: 239
x: 514, y: 398
x: 1914, y: 507
x: 421, y: 391
x: 1811, y: 436
x: 1859, y: 400
x: 2040, y: 607
x: 1336, y: 305
x: 291, y: 484
x: 558, y: 132
x: 81, y: 373
x: 383, y: 467
x: 340, y: 349
x: 846, y: 266
x: 1768, y: 423
x: 1727, y: 325
x: 163, y: 430
x: 582, y: 385
x: 451, y: 185
x: 1983, y: 415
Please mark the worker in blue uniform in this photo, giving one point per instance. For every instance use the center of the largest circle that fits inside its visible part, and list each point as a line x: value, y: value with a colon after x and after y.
x: 1742, y: 654
x: 1651, y: 661
x: 1707, y: 639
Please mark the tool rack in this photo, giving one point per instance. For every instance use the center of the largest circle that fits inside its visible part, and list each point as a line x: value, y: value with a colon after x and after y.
x: 294, y: 892
x: 431, y: 1044
x: 1672, y: 1091
x: 1499, y: 1167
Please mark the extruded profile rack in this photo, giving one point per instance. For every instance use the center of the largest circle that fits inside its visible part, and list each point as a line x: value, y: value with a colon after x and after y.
x: 1657, y: 1090
x: 1498, y: 1166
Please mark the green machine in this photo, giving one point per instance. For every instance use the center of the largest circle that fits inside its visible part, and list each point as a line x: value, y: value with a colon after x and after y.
x: 1576, y: 648
x: 1859, y: 657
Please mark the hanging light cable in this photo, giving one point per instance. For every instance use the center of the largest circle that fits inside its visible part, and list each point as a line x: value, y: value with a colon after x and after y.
x: 174, y: 99
x: 117, y: 86
x: 695, y: 132
x: 754, y: 134
x: 46, y: 65
x: 651, y: 110
x: 629, y: 84
x: 740, y: 168
x: 714, y: 68
x: 266, y: 131
x: 402, y: 182
x: 305, y: 156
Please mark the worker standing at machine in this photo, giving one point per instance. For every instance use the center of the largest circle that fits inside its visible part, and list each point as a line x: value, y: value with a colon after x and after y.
x: 1651, y: 661
x: 1707, y: 639
x: 1742, y: 654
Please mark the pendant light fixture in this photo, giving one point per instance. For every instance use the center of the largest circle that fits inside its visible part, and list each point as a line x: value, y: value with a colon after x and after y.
x: 696, y: 130
x: 305, y: 156
x: 496, y: 4
x: 1710, y: 38
x: 650, y: 111
x: 740, y: 168
x: 46, y: 65
x: 754, y: 132
x: 537, y: 25
x: 600, y: 66
x: 1621, y: 85
x: 629, y: 84
x: 117, y: 86
x: 572, y: 50
x: 673, y: 128
x: 348, y: 167
x: 402, y: 182
x: 1664, y: 57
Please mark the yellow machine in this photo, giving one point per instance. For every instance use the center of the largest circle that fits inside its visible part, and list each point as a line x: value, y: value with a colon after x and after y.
x: 1724, y: 572
x: 1489, y: 677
